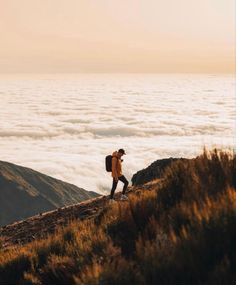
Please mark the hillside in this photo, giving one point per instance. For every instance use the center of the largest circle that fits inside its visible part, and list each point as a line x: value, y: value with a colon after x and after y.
x: 154, y: 171
x: 25, y: 192
x: 43, y: 224
x: 39, y: 226
x: 180, y: 229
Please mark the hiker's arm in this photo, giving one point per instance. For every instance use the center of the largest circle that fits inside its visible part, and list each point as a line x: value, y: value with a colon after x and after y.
x: 114, y: 170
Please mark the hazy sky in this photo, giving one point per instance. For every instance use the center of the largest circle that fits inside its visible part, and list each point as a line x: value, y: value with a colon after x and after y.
x: 117, y: 36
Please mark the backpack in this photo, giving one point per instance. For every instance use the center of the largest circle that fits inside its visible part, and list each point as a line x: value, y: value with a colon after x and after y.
x: 108, y: 163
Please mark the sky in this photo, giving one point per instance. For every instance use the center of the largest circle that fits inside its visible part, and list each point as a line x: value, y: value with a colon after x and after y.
x: 109, y: 36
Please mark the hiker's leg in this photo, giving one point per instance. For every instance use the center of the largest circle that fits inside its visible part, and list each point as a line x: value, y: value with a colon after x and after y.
x: 114, y: 185
x: 126, y: 183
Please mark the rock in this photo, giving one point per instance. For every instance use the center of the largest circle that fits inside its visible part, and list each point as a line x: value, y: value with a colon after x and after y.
x: 153, y: 171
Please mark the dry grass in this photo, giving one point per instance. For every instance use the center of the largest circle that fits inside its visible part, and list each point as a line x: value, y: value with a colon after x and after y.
x: 181, y: 232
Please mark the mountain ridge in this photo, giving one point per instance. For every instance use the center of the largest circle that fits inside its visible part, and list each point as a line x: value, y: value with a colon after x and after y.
x: 25, y: 192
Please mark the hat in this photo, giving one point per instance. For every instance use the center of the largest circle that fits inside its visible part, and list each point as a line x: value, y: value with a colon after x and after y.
x: 121, y: 150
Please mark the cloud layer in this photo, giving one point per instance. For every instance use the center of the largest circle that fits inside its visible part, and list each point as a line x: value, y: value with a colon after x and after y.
x: 64, y: 125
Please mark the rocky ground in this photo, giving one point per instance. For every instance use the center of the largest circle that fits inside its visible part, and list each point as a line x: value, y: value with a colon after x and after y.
x: 45, y: 223
x: 41, y: 225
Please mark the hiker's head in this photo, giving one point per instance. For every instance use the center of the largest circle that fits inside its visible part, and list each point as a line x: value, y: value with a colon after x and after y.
x: 121, y: 152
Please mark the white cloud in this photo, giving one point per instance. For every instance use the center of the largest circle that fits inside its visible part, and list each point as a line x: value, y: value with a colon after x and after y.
x: 65, y: 127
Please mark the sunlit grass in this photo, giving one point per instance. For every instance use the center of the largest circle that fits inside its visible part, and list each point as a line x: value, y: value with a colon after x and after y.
x: 183, y: 231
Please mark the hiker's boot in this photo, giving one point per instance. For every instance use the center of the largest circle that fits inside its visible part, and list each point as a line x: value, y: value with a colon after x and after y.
x: 124, y: 197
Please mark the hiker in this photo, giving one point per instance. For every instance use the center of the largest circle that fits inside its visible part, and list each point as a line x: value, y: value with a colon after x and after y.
x: 116, y: 173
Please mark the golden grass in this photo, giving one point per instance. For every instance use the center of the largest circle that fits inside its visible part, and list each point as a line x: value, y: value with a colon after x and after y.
x: 181, y: 232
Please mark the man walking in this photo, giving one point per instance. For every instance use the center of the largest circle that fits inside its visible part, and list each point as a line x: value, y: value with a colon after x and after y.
x: 117, y: 174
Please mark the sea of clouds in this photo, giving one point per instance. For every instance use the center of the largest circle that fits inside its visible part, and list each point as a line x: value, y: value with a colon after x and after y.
x: 64, y: 125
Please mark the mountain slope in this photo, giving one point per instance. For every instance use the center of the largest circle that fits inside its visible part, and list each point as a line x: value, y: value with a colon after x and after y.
x: 25, y: 192
x: 180, y: 229
x: 39, y: 226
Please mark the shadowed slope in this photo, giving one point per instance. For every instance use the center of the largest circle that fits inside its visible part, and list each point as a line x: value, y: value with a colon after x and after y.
x: 25, y: 192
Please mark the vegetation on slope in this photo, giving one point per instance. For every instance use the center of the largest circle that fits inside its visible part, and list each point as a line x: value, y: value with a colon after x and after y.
x: 183, y: 231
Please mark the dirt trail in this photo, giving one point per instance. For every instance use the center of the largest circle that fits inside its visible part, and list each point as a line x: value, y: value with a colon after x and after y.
x: 41, y: 225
